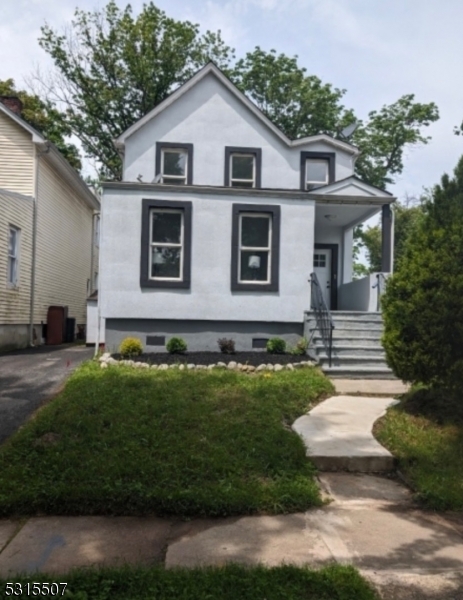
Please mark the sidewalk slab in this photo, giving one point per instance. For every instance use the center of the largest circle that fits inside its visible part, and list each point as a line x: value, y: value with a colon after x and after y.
x: 268, y: 540
x: 7, y: 531
x: 370, y: 386
x: 338, y: 434
x: 361, y: 488
x: 389, y: 539
x: 396, y: 585
x: 58, y: 544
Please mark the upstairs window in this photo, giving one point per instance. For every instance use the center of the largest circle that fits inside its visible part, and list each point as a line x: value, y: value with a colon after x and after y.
x: 316, y: 172
x: 243, y: 167
x: 317, y: 169
x: 174, y: 163
x: 13, y: 256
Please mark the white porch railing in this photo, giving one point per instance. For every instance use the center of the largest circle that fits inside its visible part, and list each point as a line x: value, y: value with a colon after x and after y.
x: 363, y: 294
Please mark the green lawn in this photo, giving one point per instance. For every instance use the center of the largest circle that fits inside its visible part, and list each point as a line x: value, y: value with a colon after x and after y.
x: 425, y: 432
x: 227, y: 583
x: 125, y: 441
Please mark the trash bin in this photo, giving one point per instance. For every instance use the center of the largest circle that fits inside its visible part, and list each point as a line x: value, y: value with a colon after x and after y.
x: 70, y: 330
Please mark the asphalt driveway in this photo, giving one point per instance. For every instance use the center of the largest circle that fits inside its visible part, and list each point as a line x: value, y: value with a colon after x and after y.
x: 29, y: 377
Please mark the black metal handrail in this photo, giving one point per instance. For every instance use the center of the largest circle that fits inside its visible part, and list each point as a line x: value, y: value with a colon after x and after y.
x: 322, y: 314
x: 379, y: 278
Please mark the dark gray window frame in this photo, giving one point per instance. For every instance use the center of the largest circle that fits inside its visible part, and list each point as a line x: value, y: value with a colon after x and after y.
x: 147, y: 206
x: 274, y: 210
x: 160, y: 146
x: 257, y: 152
x: 330, y: 157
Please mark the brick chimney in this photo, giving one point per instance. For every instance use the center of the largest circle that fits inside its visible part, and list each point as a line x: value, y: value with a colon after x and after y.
x: 13, y: 103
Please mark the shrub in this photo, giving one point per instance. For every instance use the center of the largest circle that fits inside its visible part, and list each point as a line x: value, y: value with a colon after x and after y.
x: 176, y: 345
x: 226, y: 346
x: 423, y: 302
x: 276, y: 346
x: 130, y: 347
x: 301, y: 347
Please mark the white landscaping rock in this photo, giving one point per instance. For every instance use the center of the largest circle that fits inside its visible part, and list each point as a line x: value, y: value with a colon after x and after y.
x: 278, y: 367
x: 190, y: 366
x: 232, y: 365
x: 104, y: 357
x: 290, y: 367
x: 104, y: 365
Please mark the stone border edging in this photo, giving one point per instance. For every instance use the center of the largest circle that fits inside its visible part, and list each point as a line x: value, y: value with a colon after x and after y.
x: 106, y: 360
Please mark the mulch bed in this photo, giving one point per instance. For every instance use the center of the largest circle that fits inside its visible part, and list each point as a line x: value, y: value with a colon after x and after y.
x: 208, y: 358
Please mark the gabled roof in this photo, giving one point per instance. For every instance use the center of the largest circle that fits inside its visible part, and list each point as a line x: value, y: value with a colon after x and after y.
x: 350, y: 186
x: 212, y: 69
x: 56, y: 158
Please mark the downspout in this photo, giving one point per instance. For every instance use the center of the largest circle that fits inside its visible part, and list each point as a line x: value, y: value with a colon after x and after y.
x: 38, y: 156
x: 98, y: 301
x: 92, y: 255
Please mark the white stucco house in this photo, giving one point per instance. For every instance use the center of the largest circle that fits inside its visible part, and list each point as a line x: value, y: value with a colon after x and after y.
x: 220, y: 220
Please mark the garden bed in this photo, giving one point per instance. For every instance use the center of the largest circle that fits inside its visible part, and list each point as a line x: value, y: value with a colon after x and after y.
x: 210, y: 358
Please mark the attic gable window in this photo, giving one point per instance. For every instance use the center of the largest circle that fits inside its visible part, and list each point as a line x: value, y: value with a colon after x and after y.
x: 243, y: 167
x: 317, y: 169
x: 174, y: 163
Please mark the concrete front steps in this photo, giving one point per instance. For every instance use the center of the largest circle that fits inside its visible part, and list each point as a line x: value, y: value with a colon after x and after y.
x: 357, y: 351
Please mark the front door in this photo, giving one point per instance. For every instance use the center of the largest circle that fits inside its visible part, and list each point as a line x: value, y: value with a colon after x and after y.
x: 322, y: 269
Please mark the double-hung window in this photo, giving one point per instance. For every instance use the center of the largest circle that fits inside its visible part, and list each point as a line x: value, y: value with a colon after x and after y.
x: 317, y: 169
x: 13, y: 256
x: 166, y: 244
x: 255, y: 247
x: 174, y: 163
x: 243, y: 167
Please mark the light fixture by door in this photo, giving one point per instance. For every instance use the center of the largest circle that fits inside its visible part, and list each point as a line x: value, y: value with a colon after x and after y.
x: 330, y: 217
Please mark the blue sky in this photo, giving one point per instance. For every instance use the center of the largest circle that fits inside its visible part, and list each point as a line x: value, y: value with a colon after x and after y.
x: 377, y: 50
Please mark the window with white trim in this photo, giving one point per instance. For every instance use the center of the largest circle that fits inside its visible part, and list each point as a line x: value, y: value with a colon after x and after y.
x: 242, y: 170
x: 316, y: 172
x: 13, y: 256
x: 255, y: 248
x: 174, y: 166
x: 166, y: 244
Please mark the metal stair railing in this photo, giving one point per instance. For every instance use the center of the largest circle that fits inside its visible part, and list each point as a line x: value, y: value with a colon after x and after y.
x: 322, y: 315
x: 380, y: 281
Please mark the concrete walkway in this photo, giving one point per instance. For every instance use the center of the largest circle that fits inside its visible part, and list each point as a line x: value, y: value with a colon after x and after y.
x: 338, y: 434
x: 371, y: 523
x: 391, y: 387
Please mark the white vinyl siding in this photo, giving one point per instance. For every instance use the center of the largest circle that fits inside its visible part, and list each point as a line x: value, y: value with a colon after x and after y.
x: 17, y: 157
x: 15, y: 301
x: 64, y: 243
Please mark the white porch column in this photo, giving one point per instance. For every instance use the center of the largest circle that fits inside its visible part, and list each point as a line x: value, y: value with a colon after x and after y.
x: 347, y: 250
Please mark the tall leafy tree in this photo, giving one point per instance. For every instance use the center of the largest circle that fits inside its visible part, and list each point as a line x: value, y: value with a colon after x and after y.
x: 113, y: 67
x: 423, y: 302
x: 44, y: 117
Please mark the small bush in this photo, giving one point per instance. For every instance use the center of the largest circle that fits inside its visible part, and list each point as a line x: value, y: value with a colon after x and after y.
x: 300, y: 349
x: 276, y: 346
x: 130, y: 347
x: 226, y: 346
x: 176, y: 346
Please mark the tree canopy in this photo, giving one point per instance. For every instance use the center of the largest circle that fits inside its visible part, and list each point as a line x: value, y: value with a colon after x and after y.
x: 423, y: 302
x: 111, y: 67
x: 44, y: 117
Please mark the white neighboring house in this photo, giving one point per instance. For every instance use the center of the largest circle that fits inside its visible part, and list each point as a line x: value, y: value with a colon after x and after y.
x: 220, y: 220
x: 48, y: 255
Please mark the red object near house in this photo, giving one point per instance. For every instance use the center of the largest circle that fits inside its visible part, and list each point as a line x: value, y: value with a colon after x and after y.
x: 56, y: 319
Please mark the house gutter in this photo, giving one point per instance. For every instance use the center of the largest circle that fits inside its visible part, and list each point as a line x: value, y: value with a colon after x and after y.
x: 38, y: 156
